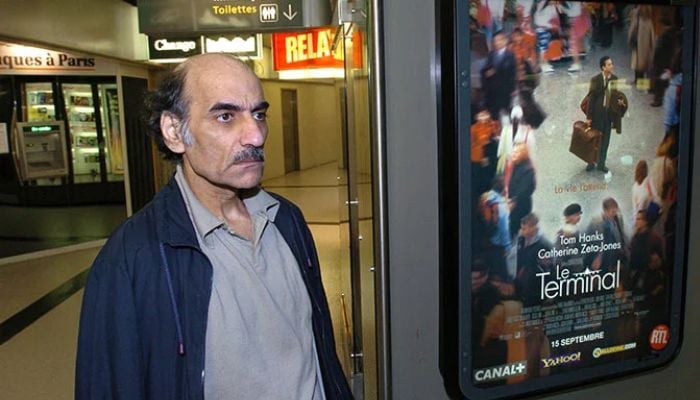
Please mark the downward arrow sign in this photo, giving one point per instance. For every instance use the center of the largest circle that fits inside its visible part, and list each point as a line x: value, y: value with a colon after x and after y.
x: 289, y: 14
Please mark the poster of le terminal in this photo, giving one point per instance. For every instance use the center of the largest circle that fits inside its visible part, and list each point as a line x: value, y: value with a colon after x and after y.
x: 578, y: 148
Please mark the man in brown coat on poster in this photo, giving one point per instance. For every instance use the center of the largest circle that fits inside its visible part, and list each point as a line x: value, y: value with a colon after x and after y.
x: 601, y: 113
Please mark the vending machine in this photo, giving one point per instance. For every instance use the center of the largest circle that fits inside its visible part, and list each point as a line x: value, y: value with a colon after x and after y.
x: 565, y: 145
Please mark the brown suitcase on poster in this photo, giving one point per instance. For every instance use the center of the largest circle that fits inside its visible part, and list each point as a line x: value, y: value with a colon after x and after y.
x: 585, y: 142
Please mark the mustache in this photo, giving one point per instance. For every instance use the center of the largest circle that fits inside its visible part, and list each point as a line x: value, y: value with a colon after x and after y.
x: 249, y: 154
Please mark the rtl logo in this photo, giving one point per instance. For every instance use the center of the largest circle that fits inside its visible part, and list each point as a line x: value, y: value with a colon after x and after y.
x: 659, y: 337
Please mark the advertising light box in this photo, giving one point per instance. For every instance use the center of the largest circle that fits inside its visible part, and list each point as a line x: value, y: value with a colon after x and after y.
x: 565, y: 176
x: 312, y: 48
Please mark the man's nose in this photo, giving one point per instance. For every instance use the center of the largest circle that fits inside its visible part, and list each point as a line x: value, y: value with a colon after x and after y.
x: 254, y: 132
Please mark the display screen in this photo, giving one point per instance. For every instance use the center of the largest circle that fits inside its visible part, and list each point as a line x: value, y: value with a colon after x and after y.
x: 575, y: 190
x: 41, y: 129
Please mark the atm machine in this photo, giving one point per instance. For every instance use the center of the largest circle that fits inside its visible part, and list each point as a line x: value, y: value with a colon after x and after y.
x: 41, y: 150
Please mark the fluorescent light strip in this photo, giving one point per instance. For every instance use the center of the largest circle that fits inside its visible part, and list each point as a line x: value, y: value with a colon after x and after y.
x: 316, y: 73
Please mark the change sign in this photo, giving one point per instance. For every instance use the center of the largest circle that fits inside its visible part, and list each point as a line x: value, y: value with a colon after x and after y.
x: 173, y: 48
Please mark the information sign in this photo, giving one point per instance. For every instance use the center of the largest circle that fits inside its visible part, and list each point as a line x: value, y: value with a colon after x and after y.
x: 215, y: 16
x: 168, y: 49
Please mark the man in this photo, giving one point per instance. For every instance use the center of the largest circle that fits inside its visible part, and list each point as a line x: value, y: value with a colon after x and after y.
x: 665, y: 47
x: 213, y: 290
x: 495, y: 214
x: 530, y: 241
x: 601, y: 94
x: 525, y: 58
x: 611, y: 227
x: 489, y: 349
x: 521, y: 186
x: 527, y: 288
x: 568, y: 237
x: 499, y: 77
x: 484, y: 134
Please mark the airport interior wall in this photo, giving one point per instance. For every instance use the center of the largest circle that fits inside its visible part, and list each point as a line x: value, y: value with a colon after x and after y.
x: 104, y: 27
x: 318, y: 124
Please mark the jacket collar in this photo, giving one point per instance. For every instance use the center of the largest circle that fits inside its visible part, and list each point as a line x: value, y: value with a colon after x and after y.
x: 174, y: 227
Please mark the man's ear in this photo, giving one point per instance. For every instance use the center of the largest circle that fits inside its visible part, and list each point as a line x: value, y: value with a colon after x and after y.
x: 170, y: 128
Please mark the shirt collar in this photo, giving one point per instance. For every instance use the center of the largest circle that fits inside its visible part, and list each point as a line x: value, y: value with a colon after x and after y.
x: 260, y: 204
x: 204, y: 221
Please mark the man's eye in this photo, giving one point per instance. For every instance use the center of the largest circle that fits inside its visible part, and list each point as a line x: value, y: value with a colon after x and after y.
x: 260, y: 115
x: 225, y: 117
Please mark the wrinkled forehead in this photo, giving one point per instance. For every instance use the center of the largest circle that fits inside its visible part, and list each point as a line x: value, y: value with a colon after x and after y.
x: 220, y: 78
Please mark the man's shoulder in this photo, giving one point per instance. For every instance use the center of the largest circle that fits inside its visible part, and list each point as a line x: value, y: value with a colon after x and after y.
x: 154, y: 212
x: 131, y: 234
x: 142, y: 228
x: 544, y: 243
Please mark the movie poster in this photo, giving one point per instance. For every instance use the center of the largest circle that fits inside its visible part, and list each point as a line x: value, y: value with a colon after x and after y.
x: 574, y: 163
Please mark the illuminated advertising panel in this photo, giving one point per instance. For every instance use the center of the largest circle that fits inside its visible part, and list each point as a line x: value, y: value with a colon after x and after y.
x: 312, y: 48
x: 572, y: 149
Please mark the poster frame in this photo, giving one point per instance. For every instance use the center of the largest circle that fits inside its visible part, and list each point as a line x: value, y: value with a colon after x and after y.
x: 453, y: 86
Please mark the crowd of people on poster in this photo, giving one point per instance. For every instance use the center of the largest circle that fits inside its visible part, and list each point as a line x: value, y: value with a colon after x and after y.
x: 547, y: 302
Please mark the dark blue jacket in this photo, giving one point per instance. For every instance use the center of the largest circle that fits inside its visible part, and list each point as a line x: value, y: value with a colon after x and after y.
x: 144, y: 314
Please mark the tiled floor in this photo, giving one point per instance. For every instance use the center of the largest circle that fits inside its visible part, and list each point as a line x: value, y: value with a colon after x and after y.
x: 38, y: 362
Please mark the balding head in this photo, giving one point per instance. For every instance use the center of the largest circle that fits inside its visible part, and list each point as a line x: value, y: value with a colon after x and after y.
x: 210, y: 66
x: 174, y: 93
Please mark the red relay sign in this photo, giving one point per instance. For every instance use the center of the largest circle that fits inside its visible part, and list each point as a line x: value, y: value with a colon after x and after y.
x: 312, y: 48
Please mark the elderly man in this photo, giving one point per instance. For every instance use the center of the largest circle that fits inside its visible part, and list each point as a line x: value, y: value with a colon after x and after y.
x: 213, y: 290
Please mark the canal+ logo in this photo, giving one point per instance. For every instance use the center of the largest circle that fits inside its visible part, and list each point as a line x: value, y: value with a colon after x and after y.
x: 500, y: 372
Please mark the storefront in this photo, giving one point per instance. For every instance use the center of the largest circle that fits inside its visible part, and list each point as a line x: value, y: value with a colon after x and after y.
x: 62, y: 127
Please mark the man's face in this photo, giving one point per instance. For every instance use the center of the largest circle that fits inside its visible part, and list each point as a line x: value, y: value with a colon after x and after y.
x: 528, y: 231
x: 479, y: 278
x: 482, y: 116
x: 517, y: 37
x: 518, y: 154
x: 227, y: 121
x: 608, y: 67
x: 610, y: 212
x: 500, y: 41
x: 573, y: 219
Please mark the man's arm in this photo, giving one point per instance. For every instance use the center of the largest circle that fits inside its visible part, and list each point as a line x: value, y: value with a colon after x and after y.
x: 592, y: 96
x: 108, y: 363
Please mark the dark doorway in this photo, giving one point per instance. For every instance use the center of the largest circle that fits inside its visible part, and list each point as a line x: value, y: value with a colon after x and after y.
x: 140, y: 156
x: 290, y: 130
